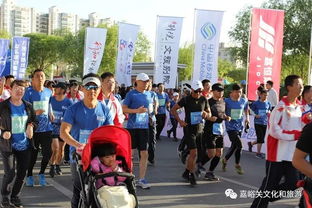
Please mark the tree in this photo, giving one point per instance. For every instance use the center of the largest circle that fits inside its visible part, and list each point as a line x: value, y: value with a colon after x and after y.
x: 4, y: 34
x: 186, y: 57
x: 142, y: 50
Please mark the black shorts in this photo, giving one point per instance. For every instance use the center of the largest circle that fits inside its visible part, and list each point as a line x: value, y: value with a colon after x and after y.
x: 214, y: 141
x: 139, y: 138
x: 55, y: 136
x: 193, y: 136
x: 260, y: 132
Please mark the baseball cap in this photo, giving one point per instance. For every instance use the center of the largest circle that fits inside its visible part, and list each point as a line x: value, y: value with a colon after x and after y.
x: 175, y: 94
x: 95, y: 80
x: 142, y: 76
x: 217, y: 87
x: 61, y: 85
x: 197, y: 85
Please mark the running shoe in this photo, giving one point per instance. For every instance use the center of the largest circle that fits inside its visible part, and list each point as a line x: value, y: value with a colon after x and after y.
x: 16, y: 201
x: 52, y: 171
x: 249, y: 147
x: 30, y: 181
x: 239, y: 169
x: 58, y: 170
x: 210, y: 176
x: 6, y: 203
x: 143, y: 184
x: 192, y: 179
x: 185, y: 175
x: 223, y: 164
x: 66, y: 162
x: 201, y: 168
x: 42, y: 180
x: 168, y: 134
x: 259, y: 156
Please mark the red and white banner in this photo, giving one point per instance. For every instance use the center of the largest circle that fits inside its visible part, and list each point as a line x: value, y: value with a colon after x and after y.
x: 266, y: 48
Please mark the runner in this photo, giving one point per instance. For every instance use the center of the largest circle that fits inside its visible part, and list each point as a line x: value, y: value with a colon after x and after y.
x: 207, y: 88
x: 163, y: 101
x: 40, y: 96
x: 5, y: 86
x: 307, y: 104
x: 15, y: 142
x: 78, y: 122
x: 284, y: 130
x: 234, y: 108
x: 59, y: 105
x: 272, y: 95
x: 73, y: 93
x: 173, y: 121
x: 196, y: 109
x: 137, y: 103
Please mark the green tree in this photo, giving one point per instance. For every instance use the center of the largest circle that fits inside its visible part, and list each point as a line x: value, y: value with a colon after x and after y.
x: 4, y: 34
x: 142, y: 51
x: 186, y: 57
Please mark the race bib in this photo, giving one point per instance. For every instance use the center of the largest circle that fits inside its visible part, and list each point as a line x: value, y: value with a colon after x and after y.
x: 141, y: 119
x: 196, y: 118
x: 236, y: 114
x: 58, y: 116
x: 217, y: 129
x: 19, y: 124
x: 43, y: 105
x: 262, y: 112
x: 83, y: 136
x: 161, y: 102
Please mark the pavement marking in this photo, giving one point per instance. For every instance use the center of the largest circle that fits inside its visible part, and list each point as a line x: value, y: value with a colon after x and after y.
x: 238, y: 183
x: 68, y: 193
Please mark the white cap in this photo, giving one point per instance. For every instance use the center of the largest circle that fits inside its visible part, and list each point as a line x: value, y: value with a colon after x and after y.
x: 95, y: 80
x: 175, y: 94
x: 142, y: 76
x: 197, y: 85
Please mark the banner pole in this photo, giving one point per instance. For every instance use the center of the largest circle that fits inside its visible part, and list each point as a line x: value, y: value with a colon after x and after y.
x: 248, y: 52
x: 155, y: 51
x: 193, y: 44
x: 310, y: 54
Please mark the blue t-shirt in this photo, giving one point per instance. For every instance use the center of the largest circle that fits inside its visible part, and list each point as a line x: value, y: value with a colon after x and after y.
x: 235, y: 109
x: 163, y: 98
x: 59, y: 108
x: 135, y: 99
x: 83, y: 120
x: 172, y: 103
x: 261, y: 108
x: 40, y: 100
x: 18, y: 121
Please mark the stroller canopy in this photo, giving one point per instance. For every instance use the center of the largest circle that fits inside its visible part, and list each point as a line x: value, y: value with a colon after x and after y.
x: 108, y: 134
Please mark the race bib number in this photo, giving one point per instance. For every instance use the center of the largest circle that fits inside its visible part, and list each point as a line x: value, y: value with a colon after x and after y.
x: 236, y: 114
x: 161, y: 102
x: 196, y: 118
x: 43, y: 105
x: 83, y: 136
x: 217, y: 129
x: 19, y: 124
x: 262, y: 112
x: 58, y: 116
x: 141, y: 119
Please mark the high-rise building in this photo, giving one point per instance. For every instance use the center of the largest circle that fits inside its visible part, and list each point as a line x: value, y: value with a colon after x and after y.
x: 6, y: 15
x: 62, y: 21
x: 95, y: 20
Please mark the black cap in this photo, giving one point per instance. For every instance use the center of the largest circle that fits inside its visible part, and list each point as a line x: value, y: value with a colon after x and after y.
x: 217, y: 87
x: 61, y: 85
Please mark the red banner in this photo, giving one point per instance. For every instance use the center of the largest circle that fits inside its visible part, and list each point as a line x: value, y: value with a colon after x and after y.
x: 266, y: 48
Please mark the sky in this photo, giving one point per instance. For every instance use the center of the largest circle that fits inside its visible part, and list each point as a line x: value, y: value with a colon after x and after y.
x: 144, y: 12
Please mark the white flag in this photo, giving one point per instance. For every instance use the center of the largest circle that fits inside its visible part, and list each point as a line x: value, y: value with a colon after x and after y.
x: 127, y: 37
x: 167, y: 50
x: 94, y: 48
x: 207, y: 34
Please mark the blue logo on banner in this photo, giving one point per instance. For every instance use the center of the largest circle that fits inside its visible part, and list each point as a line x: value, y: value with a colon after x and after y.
x: 208, y: 31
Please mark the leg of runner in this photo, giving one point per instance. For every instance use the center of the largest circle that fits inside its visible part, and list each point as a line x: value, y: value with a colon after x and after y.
x: 59, y: 157
x: 45, y: 140
x: 55, y: 149
x: 151, y: 143
x: 33, y: 159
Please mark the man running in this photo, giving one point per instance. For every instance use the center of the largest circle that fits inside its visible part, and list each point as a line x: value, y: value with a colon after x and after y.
x: 163, y: 101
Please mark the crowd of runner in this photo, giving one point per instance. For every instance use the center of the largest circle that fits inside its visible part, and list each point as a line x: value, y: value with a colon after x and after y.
x: 56, y: 118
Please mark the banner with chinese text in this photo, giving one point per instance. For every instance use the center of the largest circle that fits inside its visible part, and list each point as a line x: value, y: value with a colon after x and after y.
x: 4, y: 48
x: 266, y: 48
x: 19, y: 56
x: 207, y: 35
x: 94, y: 48
x: 166, y: 50
x: 127, y: 37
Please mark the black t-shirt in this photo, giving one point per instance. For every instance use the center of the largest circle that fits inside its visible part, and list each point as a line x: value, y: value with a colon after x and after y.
x: 217, y: 108
x: 192, y: 105
x: 305, y: 141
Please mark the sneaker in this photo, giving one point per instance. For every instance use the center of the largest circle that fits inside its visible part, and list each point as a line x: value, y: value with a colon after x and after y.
x: 66, y: 162
x: 58, y: 170
x: 52, y: 171
x: 210, y: 176
x: 143, y: 184
x: 223, y: 164
x: 201, y: 168
x: 6, y: 203
x: 29, y: 181
x: 150, y: 163
x: 259, y: 156
x: 168, y: 134
x: 192, y: 179
x: 198, y: 173
x: 16, y: 201
x: 42, y: 180
x: 239, y: 169
x: 185, y: 175
x: 249, y: 147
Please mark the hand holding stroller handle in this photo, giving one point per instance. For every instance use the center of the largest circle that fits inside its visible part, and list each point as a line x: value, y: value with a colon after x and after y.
x: 113, y: 174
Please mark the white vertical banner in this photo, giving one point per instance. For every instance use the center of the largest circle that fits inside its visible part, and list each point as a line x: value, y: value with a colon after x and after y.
x: 207, y: 35
x: 94, y: 48
x: 127, y: 38
x: 167, y: 49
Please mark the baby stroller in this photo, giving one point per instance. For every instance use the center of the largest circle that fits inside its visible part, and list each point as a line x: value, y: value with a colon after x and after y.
x: 89, y: 194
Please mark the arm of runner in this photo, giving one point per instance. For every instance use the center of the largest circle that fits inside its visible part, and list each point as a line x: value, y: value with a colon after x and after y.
x: 65, y: 135
x: 173, y: 111
x: 299, y: 162
x: 141, y: 109
x: 2, y: 82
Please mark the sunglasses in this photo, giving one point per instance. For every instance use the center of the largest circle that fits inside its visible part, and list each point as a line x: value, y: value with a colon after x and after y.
x: 91, y: 87
x: 198, y: 91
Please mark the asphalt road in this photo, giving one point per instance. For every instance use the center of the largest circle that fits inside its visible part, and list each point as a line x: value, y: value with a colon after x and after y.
x: 168, y: 188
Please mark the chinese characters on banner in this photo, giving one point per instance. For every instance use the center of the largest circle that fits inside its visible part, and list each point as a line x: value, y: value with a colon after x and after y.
x: 167, y: 49
x: 94, y: 48
x: 266, y: 47
x: 19, y: 57
x: 127, y: 37
x: 207, y: 35
x: 4, y: 47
